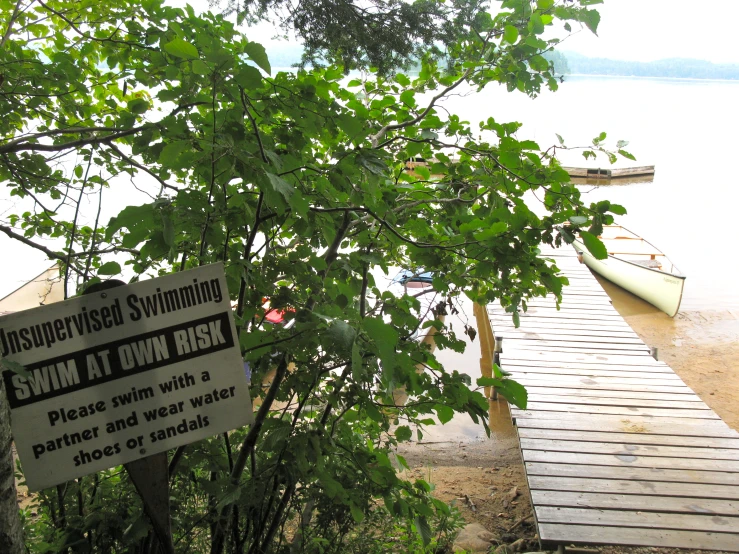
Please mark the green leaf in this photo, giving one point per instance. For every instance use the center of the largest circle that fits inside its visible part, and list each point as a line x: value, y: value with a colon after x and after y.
x: 617, y: 209
x: 627, y: 155
x: 591, y: 18
x: 510, y: 34
x: 199, y: 67
x: 423, y: 528
x: 560, y: 139
x: 181, y: 49
x: 258, y: 55
x: 423, y: 172
x: 444, y: 413
x: 514, y: 392
x: 488, y: 382
x: 109, y: 268
x: 171, y: 151
x: 386, y: 338
x: 248, y: 77
x: 280, y: 185
x: 231, y: 495
x: 516, y: 320
x: 299, y: 203
x: 137, y: 106
x: 15, y: 367
x: 357, y: 513
x: 578, y: 219
x: 403, y: 433
x: 408, y: 97
x: 594, y: 245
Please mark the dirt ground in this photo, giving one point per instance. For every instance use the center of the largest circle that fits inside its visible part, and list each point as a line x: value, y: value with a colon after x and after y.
x: 485, y: 478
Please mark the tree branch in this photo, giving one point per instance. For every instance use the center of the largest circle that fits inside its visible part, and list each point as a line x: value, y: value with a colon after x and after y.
x: 387, y: 128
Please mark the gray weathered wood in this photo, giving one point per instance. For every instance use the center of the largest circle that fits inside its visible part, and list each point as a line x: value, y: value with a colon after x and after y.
x: 650, y: 367
x: 520, y: 342
x: 622, y: 480
x: 558, y: 380
x: 695, y: 413
x: 608, y: 371
x: 583, y: 534
x: 711, y: 443
x: 607, y: 395
x: 629, y: 448
x: 626, y: 424
x: 535, y: 397
x: 588, y: 384
x: 628, y: 460
x: 639, y: 359
x: 568, y: 338
x: 645, y: 519
x: 636, y: 502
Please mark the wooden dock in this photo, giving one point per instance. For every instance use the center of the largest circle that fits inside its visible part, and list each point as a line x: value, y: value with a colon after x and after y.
x: 617, y: 449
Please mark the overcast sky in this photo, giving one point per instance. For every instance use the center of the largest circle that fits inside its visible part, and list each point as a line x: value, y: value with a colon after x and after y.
x: 639, y: 30
x: 645, y: 30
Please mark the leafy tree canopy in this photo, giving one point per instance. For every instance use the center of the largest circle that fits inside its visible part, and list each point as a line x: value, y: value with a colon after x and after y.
x: 381, y: 34
x: 299, y: 183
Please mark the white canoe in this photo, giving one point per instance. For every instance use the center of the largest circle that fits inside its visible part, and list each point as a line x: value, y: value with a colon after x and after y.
x: 639, y: 267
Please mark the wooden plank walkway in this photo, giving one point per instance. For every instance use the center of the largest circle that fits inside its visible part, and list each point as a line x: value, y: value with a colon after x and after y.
x: 617, y: 449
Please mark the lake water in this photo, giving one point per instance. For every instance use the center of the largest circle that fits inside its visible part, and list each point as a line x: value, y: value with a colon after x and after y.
x: 687, y: 129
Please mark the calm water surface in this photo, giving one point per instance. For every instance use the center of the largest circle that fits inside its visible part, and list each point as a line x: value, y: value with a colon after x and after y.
x: 687, y: 129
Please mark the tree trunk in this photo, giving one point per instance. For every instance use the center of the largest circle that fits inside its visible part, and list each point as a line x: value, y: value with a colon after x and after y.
x: 11, y: 529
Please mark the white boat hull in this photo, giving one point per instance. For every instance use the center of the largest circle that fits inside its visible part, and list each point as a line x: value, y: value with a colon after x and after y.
x: 661, y: 289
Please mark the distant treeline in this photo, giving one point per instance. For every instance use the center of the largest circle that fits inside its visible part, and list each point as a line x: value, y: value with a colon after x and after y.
x: 679, y: 68
x: 572, y: 63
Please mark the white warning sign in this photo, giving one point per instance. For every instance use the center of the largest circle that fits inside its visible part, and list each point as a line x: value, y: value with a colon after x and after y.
x: 118, y: 375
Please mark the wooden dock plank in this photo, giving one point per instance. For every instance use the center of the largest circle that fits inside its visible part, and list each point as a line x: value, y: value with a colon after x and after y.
x: 695, y: 413
x: 522, y: 365
x: 566, y: 334
x: 648, y: 402
x: 518, y: 343
x: 639, y: 359
x: 584, y: 534
x: 558, y: 445
x: 635, y: 502
x: 549, y: 333
x: 588, y: 372
x: 577, y: 350
x: 613, y: 385
x: 624, y: 480
x: 608, y: 395
x: 628, y: 460
x: 719, y: 444
x: 626, y: 424
x: 614, y: 382
x: 644, y: 520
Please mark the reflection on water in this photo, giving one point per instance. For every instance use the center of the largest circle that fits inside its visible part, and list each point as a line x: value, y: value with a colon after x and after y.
x: 461, y: 428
